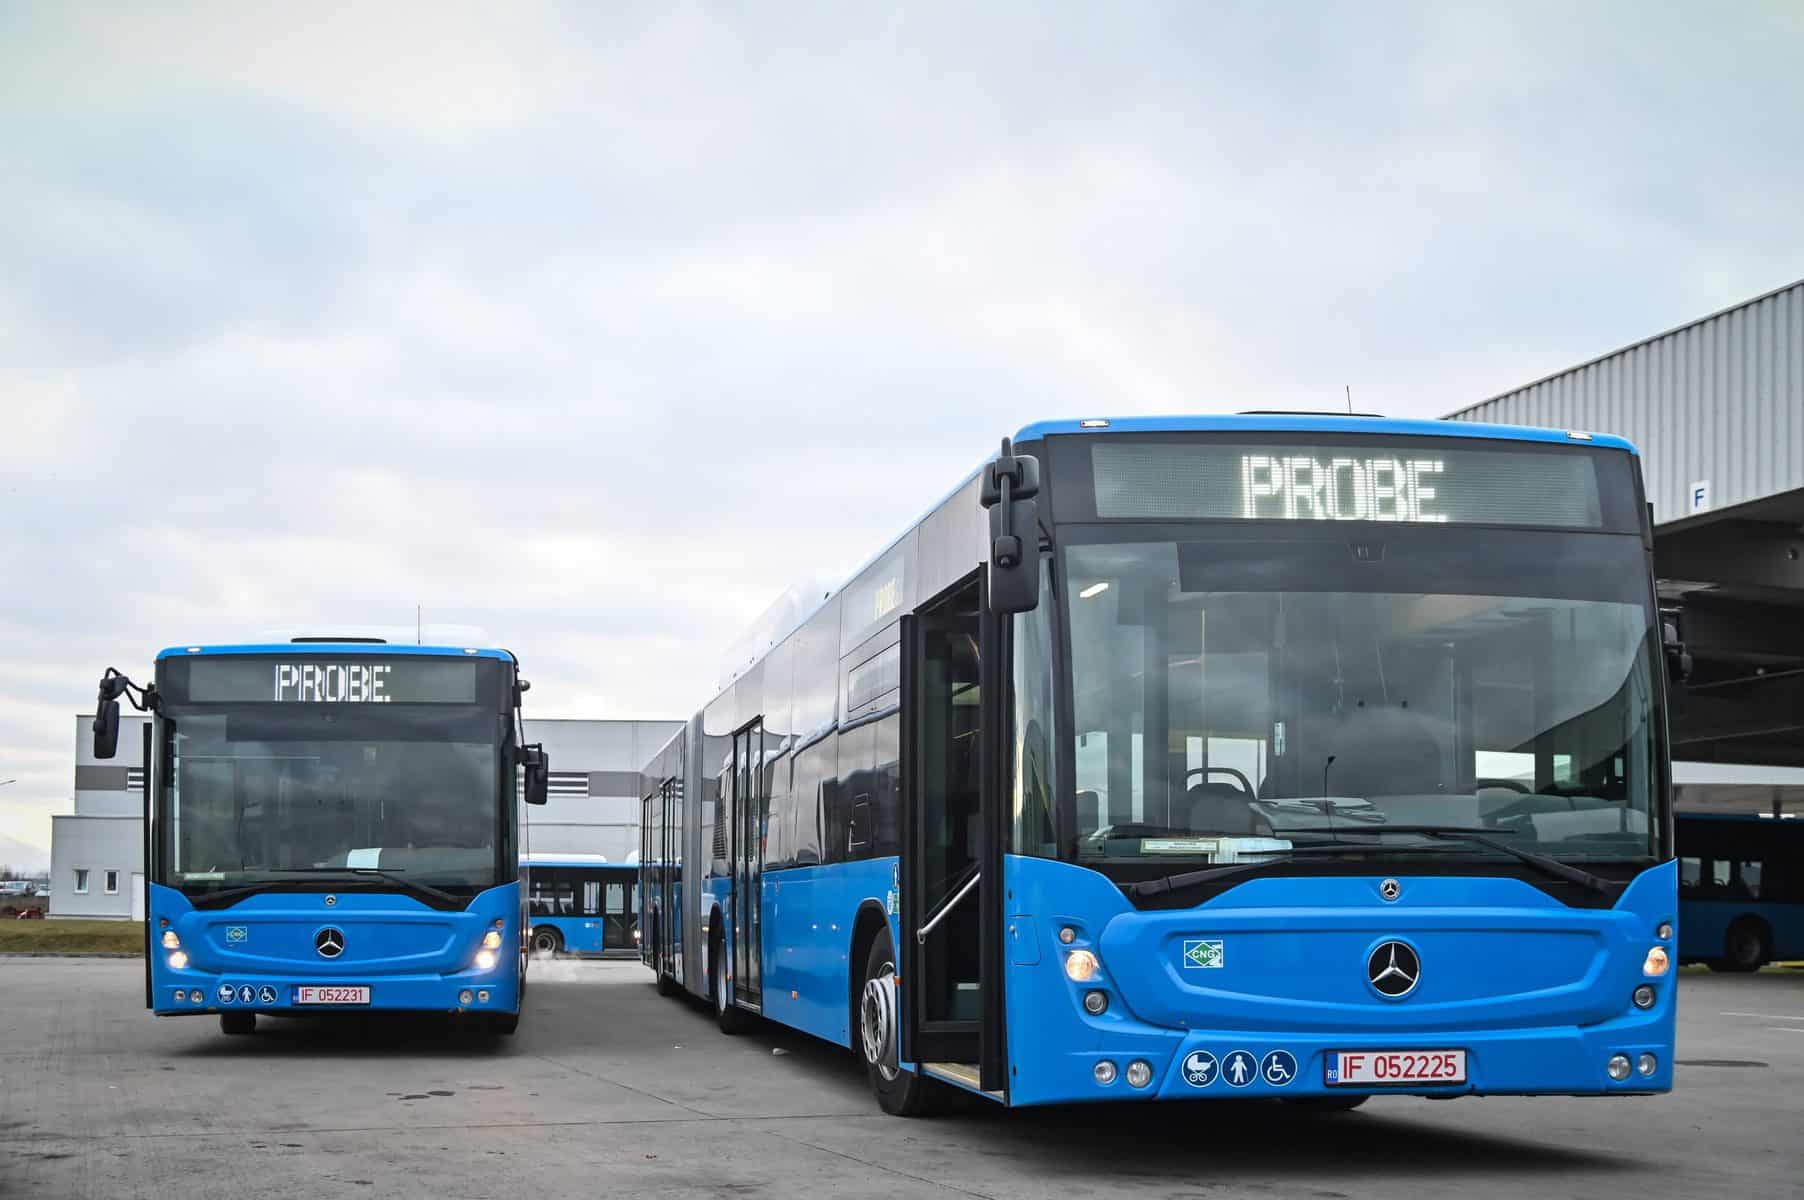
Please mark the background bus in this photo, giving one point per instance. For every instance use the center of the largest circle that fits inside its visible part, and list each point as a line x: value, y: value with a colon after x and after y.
x: 331, y: 826
x: 1741, y: 890
x: 1225, y: 753
x: 582, y: 904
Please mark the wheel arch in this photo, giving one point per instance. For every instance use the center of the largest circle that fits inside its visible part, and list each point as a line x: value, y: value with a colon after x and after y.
x: 870, y: 919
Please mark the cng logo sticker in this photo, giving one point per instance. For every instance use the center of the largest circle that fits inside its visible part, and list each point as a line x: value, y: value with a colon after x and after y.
x: 1202, y: 954
x: 236, y: 934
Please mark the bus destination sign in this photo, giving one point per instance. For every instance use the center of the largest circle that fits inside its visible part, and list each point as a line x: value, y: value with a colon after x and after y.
x: 419, y: 679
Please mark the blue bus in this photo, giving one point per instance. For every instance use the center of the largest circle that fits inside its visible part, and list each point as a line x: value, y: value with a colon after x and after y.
x: 1295, y: 756
x: 1741, y: 890
x: 331, y: 827
x: 581, y: 904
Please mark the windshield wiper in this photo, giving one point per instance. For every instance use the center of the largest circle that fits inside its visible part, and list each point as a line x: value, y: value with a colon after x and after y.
x: 1483, y: 837
x: 1171, y: 883
x: 411, y: 887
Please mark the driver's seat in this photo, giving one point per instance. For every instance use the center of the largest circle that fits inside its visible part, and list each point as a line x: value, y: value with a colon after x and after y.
x: 1224, y: 808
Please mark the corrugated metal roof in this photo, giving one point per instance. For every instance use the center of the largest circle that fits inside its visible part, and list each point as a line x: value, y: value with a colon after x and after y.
x: 1719, y: 400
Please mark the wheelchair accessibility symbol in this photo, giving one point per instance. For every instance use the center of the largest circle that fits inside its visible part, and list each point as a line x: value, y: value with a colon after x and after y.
x: 1279, y: 1068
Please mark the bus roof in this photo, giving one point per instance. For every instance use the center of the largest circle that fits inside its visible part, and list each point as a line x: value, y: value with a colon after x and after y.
x: 386, y: 649
x: 1278, y: 422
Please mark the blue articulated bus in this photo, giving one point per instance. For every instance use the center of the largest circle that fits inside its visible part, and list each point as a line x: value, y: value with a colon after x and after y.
x: 581, y: 904
x: 1741, y: 890
x: 1310, y: 757
x: 331, y: 827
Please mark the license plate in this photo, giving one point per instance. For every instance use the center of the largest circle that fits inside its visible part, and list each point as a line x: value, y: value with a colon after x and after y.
x: 1379, y: 1068
x: 331, y: 995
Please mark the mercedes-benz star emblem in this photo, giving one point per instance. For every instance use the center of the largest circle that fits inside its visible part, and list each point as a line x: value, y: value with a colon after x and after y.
x: 1394, y: 968
x: 329, y: 942
x: 1390, y: 889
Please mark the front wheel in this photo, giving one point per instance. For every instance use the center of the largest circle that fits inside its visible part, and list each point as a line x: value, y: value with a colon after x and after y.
x: 237, y: 1024
x: 1744, y: 948
x: 502, y: 1024
x: 899, y: 1093
x: 732, y: 1019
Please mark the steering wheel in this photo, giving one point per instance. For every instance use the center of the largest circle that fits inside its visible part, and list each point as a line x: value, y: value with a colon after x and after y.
x: 1245, y: 784
x: 1512, y: 785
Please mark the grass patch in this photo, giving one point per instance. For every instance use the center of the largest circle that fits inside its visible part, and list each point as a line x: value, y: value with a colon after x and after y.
x: 71, y: 937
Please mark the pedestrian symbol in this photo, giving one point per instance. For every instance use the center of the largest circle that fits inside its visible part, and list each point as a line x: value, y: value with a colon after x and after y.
x: 1199, y: 1068
x: 1202, y: 953
x: 245, y: 994
x: 1279, y: 1068
x: 1239, y: 1067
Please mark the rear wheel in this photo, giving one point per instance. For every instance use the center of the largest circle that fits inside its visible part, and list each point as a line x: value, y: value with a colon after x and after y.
x: 237, y: 1024
x: 732, y: 1020
x: 899, y: 1093
x: 547, y: 941
x: 1744, y: 948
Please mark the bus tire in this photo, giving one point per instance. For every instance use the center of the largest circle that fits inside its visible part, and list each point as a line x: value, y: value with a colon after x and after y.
x: 502, y: 1024
x: 899, y: 1093
x: 547, y: 942
x: 732, y: 1019
x: 666, y: 985
x: 1746, y: 947
x: 237, y: 1024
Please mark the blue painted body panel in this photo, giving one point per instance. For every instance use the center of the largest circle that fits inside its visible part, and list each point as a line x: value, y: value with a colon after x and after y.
x: 1536, y: 993
x: 1322, y: 423
x: 409, y: 955
x: 1704, y: 927
x: 383, y: 649
x: 582, y: 935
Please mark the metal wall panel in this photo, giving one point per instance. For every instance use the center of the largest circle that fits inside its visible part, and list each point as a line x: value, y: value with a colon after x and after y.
x: 1720, y: 399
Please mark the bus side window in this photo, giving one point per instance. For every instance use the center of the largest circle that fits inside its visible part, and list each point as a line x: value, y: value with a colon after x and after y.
x: 1690, y: 875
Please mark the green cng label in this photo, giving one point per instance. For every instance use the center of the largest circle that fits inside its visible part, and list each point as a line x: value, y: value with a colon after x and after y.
x: 1202, y: 953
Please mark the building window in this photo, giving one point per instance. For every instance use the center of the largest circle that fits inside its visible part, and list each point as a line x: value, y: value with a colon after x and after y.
x: 112, y: 883
x: 81, y: 881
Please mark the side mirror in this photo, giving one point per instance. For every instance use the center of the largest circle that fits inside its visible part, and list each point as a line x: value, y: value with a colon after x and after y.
x: 106, y: 728
x: 1010, y: 484
x: 537, y: 768
x: 1678, y: 658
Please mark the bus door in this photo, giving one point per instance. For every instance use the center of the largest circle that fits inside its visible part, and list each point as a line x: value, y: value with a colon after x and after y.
x: 748, y: 805
x: 951, y: 870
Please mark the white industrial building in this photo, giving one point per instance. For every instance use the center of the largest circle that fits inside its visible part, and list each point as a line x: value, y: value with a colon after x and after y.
x: 97, y: 851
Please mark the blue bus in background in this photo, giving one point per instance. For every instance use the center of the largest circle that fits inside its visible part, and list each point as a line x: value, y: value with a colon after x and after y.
x: 1741, y: 890
x: 331, y: 826
x: 581, y: 904
x: 1294, y: 756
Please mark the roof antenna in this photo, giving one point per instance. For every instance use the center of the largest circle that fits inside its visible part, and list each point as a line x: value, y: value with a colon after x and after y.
x: 1349, y: 388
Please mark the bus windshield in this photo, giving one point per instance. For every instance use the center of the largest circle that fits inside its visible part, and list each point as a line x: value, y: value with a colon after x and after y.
x: 1261, y: 686
x: 259, y: 792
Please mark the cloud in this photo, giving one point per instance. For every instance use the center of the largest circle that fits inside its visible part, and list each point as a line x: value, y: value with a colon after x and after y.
x: 597, y: 327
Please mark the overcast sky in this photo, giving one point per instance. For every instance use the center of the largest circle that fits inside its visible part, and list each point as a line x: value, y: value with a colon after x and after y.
x: 595, y: 326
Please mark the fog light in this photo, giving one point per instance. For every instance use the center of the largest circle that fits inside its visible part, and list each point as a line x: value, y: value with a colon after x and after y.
x: 483, y: 996
x: 196, y: 997
x: 1139, y: 1073
x: 1618, y: 1067
x: 1104, y: 1072
x: 1081, y: 966
x: 485, y: 960
x: 464, y: 997
x: 492, y: 940
x: 1656, y: 962
x: 1664, y: 933
x: 1067, y: 935
x: 1647, y: 1064
x: 178, y: 959
x: 170, y: 941
x: 1644, y: 996
x: 1096, y: 1003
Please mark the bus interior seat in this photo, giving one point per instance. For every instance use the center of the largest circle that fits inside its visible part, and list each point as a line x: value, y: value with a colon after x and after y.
x: 1224, y: 808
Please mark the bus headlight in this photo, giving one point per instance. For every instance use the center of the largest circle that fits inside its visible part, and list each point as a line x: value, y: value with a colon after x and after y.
x: 485, y: 960
x: 170, y: 941
x: 1656, y: 963
x: 1081, y: 966
x: 178, y: 959
x: 491, y: 940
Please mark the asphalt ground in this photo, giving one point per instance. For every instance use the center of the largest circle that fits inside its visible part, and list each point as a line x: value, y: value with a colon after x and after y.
x: 609, y: 1090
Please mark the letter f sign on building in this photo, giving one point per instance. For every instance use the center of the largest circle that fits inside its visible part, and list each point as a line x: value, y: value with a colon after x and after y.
x: 1699, y: 499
